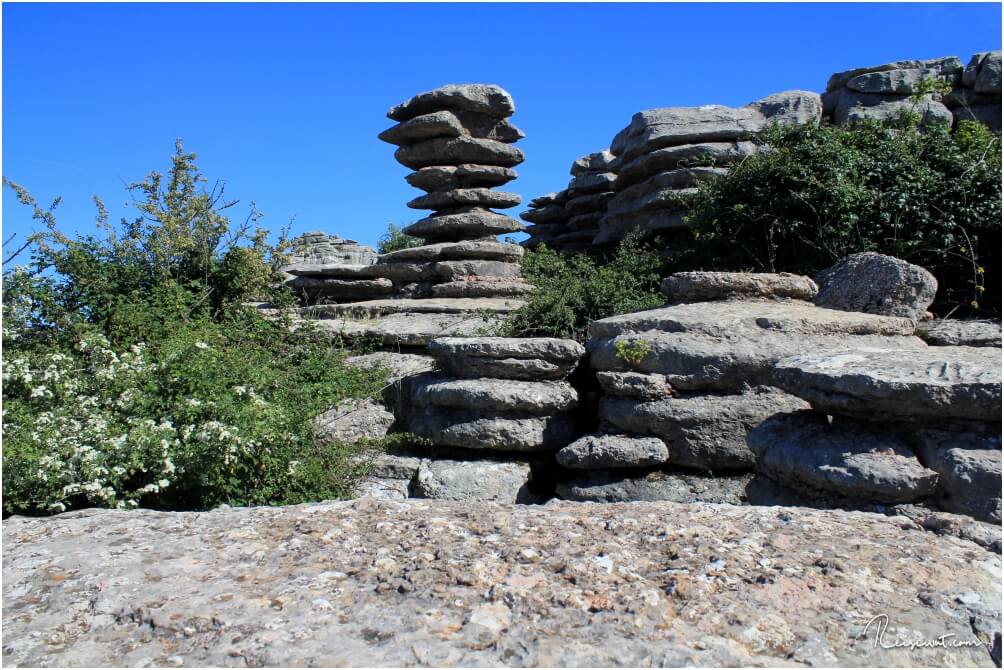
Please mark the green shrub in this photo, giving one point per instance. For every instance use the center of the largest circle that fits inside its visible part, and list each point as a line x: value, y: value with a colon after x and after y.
x: 569, y: 292
x: 133, y: 375
x: 819, y: 193
x: 394, y: 240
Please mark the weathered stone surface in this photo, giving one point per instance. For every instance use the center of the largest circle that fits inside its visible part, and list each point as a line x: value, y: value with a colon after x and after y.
x: 351, y: 421
x: 457, y: 270
x: 317, y: 248
x: 850, y: 106
x: 613, y: 227
x: 803, y: 449
x: 589, y: 220
x: 945, y: 65
x: 530, y: 369
x: 987, y: 114
x: 969, y: 466
x: 329, y: 270
x: 632, y: 198
x: 972, y: 70
x: 704, y: 286
x: 615, y: 487
x: 727, y: 344
x: 595, y: 162
x: 558, y: 198
x: 708, y: 154
x: 359, y: 583
x: 900, y: 82
x: 377, y: 308
x: 634, y: 385
x: 593, y: 452
x: 591, y: 182
x: 484, y: 249
x: 495, y: 395
x: 465, y: 197
x: 482, y: 98
x: 701, y: 431
x: 959, y: 333
x: 546, y: 214
x: 657, y: 128
x: 398, y: 366
x: 511, y: 432
x: 488, y: 287
x: 340, y: 289
x: 989, y: 78
x: 547, y: 348
x: 474, y: 481
x: 389, y: 476
x: 877, y: 284
x: 448, y: 177
x: 588, y: 203
x: 936, y: 382
x: 456, y: 151
x: 472, y: 223
x: 401, y: 272
x: 423, y: 127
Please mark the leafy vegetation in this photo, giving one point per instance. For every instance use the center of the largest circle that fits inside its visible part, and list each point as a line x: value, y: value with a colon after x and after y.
x: 395, y: 240
x: 134, y: 375
x: 571, y: 291
x: 819, y: 193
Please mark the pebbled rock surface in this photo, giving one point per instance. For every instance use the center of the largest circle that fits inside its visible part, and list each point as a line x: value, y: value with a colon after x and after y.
x: 547, y: 348
x: 704, y: 286
x: 444, y: 479
x: 593, y: 452
x: 936, y: 382
x: 371, y: 583
x: 959, y: 333
x: 877, y: 284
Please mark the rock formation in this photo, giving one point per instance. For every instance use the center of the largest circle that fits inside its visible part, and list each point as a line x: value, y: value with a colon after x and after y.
x: 877, y: 284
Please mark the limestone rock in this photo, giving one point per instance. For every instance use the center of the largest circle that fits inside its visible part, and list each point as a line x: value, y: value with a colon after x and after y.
x: 351, y: 421
x: 610, y: 487
x: 946, y: 65
x: 340, y: 289
x: 989, y: 78
x: 547, y: 348
x: 482, y: 98
x: 707, y: 154
x: 634, y: 198
x: 474, y: 481
x: 377, y: 583
x: 457, y: 151
x: 936, y: 382
x: 803, y: 449
x: 423, y: 127
x: 959, y: 333
x: 546, y: 214
x: 701, y: 431
x: 972, y: 70
x: 877, y: 284
x: 529, y: 369
x: 704, y: 286
x: 593, y: 452
x: 465, y: 197
x: 635, y: 385
x: 850, y: 106
x: 465, y: 175
x: 389, y: 476
x: 466, y: 224
x: 482, y: 249
x: 317, y: 248
x: 510, y: 432
x: 487, y: 287
x: 591, y: 182
x: 969, y: 466
x: 588, y: 203
x: 449, y: 271
x: 594, y: 162
x: 495, y: 395
x: 899, y: 82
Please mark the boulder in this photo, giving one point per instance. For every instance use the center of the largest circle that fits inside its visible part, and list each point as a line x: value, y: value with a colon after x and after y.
x: 704, y: 286
x: 850, y: 106
x: 465, y: 197
x: 946, y: 65
x: 547, y: 348
x: 701, y: 431
x: 423, y: 127
x: 457, y: 151
x: 474, y: 481
x: 591, y: 182
x: 486, y: 99
x: 351, y: 421
x: 877, y: 284
x: 805, y: 451
x: 969, y: 469
x: 483, y: 249
x: 510, y: 432
x: 972, y: 70
x: 935, y: 383
x: 440, y: 583
x: 635, y: 385
x: 495, y: 395
x: 708, y: 154
x: 959, y: 333
x: 388, y: 476
x: 593, y: 452
x: 594, y: 162
x: 614, y: 487
x: 899, y: 82
x: 465, y: 224
x: 465, y: 175
x: 989, y: 78
x: 317, y: 248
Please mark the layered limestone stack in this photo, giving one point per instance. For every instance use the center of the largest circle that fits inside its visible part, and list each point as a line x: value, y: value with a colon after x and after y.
x: 881, y: 92
x: 568, y: 221
x: 487, y: 412
x: 327, y: 267
x: 890, y: 427
x: 685, y: 383
x: 459, y: 142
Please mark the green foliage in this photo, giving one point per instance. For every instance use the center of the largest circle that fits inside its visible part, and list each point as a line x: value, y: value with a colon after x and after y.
x: 569, y: 292
x: 133, y: 375
x: 632, y: 352
x: 394, y: 240
x: 819, y: 193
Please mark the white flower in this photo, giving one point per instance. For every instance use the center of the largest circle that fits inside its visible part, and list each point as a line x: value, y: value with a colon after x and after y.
x: 38, y: 392
x: 201, y: 345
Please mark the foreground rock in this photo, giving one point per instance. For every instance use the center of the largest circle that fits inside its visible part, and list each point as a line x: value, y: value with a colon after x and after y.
x: 959, y: 333
x: 447, y: 584
x: 877, y: 284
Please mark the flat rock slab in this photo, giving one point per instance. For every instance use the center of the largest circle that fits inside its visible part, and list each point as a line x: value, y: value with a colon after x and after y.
x: 406, y: 329
x: 637, y: 385
x: 463, y: 225
x: 501, y: 432
x: 351, y: 421
x: 377, y: 308
x: 804, y: 450
x: 467, y: 175
x: 474, y: 481
x: 705, y: 286
x: 657, y: 485
x: 969, y: 469
x: 602, y: 451
x: 431, y: 583
x: 482, y: 287
x: 546, y: 348
x: 465, y: 197
x: 532, y: 369
x: 486, y: 99
x: 484, y: 249
x: 495, y: 395
x: 936, y: 382
x: 458, y: 151
x: 959, y: 333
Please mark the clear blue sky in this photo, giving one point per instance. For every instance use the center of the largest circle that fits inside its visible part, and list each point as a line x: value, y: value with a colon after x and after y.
x: 285, y: 101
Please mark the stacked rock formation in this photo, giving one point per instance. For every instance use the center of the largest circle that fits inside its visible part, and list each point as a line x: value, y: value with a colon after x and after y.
x: 881, y: 92
x: 327, y: 267
x: 569, y: 220
x: 685, y: 383
x: 459, y: 142
x: 890, y: 427
x: 488, y: 411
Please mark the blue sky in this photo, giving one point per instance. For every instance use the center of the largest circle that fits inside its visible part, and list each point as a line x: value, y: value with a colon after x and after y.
x: 285, y: 101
